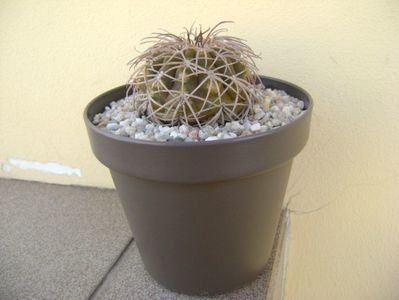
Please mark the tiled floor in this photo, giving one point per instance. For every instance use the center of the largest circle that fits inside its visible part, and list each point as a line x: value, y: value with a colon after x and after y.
x: 63, y: 242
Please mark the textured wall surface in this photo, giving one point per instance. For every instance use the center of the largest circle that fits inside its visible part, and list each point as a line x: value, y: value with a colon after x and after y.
x: 57, y: 55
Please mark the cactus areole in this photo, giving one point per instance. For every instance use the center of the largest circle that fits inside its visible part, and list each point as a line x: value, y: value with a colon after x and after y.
x: 197, y: 78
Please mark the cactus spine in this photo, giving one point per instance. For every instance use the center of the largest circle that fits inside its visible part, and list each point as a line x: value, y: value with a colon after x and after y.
x: 197, y: 78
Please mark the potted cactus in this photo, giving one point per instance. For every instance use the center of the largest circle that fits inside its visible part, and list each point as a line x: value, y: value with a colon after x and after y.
x: 200, y: 147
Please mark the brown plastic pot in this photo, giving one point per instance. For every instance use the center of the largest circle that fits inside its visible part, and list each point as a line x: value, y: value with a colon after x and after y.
x: 203, y: 214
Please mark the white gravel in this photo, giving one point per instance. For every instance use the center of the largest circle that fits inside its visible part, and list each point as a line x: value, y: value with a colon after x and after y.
x: 274, y: 109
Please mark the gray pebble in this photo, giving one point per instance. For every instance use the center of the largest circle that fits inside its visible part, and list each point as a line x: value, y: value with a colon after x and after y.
x: 112, y: 126
x: 260, y: 115
x: 174, y: 134
x: 255, y: 127
x: 130, y: 130
x: 274, y: 108
x: 229, y: 135
x: 276, y: 122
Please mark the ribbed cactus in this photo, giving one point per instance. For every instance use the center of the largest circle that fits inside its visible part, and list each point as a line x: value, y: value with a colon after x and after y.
x: 200, y: 77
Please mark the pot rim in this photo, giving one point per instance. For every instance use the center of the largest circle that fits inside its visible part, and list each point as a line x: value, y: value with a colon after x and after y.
x: 183, y: 144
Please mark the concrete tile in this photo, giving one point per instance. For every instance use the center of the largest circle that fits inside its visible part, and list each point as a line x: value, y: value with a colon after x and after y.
x: 57, y: 242
x: 129, y: 280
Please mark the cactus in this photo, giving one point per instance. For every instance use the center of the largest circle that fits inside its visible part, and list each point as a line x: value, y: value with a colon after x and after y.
x: 197, y: 78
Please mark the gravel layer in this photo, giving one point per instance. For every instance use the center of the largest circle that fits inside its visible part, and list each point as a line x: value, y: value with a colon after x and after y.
x: 274, y: 109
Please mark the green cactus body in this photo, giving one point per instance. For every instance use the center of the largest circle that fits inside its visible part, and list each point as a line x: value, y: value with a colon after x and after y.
x: 198, y: 79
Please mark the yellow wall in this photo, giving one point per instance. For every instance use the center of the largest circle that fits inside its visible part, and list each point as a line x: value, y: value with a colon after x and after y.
x: 57, y: 55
